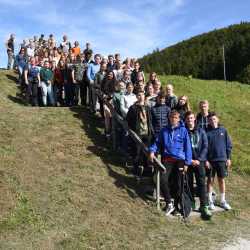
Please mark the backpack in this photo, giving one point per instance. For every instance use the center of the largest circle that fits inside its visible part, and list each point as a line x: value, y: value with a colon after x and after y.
x: 185, y: 199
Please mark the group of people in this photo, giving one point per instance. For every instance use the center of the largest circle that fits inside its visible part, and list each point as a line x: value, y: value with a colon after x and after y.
x: 194, y: 144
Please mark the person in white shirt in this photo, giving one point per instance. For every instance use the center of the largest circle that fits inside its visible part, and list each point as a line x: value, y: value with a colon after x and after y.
x: 128, y: 99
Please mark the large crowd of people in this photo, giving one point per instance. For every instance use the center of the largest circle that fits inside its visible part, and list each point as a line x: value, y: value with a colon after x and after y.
x: 52, y: 74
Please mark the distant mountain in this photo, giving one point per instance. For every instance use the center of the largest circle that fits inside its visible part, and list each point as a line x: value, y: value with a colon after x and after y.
x: 202, y: 55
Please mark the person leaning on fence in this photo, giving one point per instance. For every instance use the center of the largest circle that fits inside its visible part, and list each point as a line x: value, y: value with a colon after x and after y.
x: 174, y: 145
x: 199, y: 145
x: 218, y: 160
x: 140, y: 121
x: 32, y: 81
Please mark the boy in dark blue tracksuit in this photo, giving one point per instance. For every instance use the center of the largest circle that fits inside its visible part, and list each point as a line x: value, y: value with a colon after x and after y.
x: 199, y: 145
x: 219, y: 154
x: 174, y: 145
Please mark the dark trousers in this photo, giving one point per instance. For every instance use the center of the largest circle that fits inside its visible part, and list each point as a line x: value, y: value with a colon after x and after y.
x: 76, y: 90
x: 200, y: 174
x: 32, y: 93
x: 171, y: 181
x: 69, y: 93
x: 84, y: 92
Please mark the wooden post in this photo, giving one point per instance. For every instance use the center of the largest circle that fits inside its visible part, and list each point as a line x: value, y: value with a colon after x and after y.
x: 158, y: 192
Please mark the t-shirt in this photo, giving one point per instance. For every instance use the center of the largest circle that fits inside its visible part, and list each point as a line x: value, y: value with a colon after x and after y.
x: 76, y: 51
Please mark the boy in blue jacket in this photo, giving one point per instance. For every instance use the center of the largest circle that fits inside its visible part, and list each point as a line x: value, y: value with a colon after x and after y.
x: 219, y: 154
x: 174, y: 145
x: 199, y: 145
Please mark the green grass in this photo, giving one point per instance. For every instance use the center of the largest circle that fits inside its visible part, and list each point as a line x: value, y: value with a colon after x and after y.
x: 61, y: 186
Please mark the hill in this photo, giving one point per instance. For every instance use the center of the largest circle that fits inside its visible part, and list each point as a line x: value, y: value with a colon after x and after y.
x: 202, y: 55
x: 61, y: 187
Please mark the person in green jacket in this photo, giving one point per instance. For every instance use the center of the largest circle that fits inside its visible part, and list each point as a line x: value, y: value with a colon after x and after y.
x: 46, y: 76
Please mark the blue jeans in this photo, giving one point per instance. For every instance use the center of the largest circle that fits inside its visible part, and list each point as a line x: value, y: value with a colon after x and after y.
x: 11, y: 60
x: 47, y: 92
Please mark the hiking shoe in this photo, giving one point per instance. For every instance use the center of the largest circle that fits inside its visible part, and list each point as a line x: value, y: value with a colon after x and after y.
x: 225, y: 205
x: 211, y: 206
x: 169, y: 209
x: 205, y: 213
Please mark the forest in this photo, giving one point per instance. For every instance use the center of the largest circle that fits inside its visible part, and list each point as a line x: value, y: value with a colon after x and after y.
x: 202, y: 56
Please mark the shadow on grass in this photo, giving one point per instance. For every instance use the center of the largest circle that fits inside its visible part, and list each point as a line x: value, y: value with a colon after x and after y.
x: 19, y: 99
x: 92, y: 125
x: 12, y: 78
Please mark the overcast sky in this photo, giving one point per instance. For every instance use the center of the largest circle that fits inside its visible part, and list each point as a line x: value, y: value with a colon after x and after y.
x: 133, y: 28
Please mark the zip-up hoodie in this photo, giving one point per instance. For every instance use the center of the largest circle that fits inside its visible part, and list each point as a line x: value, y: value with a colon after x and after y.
x: 174, y: 142
x: 219, y: 144
x: 199, y: 143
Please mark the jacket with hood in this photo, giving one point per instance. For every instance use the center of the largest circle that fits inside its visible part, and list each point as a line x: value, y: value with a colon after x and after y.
x: 219, y: 144
x: 199, y: 143
x: 174, y: 142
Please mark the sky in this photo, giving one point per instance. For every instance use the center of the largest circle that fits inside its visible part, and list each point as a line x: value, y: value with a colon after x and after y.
x: 133, y: 28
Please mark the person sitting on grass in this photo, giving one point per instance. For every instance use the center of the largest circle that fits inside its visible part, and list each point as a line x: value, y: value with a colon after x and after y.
x: 199, y: 145
x: 174, y: 145
x: 218, y: 160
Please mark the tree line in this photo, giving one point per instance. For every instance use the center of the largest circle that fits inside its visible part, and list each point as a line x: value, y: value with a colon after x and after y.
x: 202, y: 55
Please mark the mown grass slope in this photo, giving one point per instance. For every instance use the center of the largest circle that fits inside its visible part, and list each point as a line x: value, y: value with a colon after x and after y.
x: 61, y: 187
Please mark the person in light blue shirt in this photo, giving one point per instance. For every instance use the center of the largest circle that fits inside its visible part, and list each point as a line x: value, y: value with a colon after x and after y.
x: 92, y: 70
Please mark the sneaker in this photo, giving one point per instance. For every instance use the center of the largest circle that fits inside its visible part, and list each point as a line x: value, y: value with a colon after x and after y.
x: 214, y: 196
x: 211, y: 206
x: 205, y: 213
x: 169, y: 209
x: 193, y: 205
x: 225, y: 205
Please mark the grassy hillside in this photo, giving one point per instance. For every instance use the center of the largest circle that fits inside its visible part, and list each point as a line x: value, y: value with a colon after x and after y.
x: 61, y: 187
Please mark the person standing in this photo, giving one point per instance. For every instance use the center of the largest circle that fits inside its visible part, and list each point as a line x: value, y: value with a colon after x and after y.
x: 171, y: 98
x: 174, y: 145
x: 46, y: 76
x: 10, y: 51
x: 32, y: 81
x: 199, y: 145
x: 218, y: 160
x: 202, y: 117
x: 92, y: 70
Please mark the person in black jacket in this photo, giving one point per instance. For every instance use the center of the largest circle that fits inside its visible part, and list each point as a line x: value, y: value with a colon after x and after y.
x: 140, y: 121
x: 160, y: 113
x: 218, y: 159
x: 199, y: 144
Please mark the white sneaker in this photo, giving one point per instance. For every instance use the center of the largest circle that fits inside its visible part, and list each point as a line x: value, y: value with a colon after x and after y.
x: 169, y: 209
x: 214, y: 196
x: 211, y: 206
x: 225, y: 205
